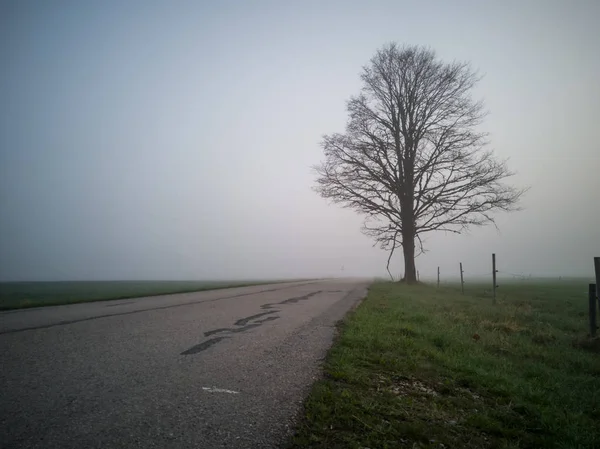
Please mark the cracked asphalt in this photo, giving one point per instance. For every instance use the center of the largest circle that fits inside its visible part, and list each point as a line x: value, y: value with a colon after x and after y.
x: 214, y: 369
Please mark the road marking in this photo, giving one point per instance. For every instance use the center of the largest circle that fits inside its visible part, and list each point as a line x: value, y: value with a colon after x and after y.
x: 219, y: 390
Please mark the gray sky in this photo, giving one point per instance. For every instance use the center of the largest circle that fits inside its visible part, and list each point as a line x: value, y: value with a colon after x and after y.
x: 174, y: 139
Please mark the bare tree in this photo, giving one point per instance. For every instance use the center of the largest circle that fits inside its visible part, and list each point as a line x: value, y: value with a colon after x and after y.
x: 412, y: 158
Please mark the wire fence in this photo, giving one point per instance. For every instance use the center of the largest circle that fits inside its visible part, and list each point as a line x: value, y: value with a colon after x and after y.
x: 462, y: 275
x: 485, y: 284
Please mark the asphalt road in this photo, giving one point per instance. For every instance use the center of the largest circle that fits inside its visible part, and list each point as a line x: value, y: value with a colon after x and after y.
x: 216, y: 369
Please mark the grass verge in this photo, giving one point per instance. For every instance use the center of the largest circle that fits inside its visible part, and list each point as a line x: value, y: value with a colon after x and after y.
x: 418, y: 367
x: 20, y: 295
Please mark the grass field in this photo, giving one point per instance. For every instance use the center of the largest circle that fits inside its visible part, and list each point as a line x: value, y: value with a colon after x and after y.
x: 418, y: 367
x: 18, y: 295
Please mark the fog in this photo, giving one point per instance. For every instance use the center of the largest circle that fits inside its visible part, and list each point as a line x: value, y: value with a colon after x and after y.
x: 174, y: 140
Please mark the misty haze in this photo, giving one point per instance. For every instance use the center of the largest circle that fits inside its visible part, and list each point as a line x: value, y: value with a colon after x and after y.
x: 222, y: 183
x: 176, y: 142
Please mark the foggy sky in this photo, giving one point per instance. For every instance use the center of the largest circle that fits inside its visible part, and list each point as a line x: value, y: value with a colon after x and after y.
x: 174, y: 139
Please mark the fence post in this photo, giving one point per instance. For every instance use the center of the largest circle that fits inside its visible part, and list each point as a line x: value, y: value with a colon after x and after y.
x: 597, y: 272
x: 438, y: 284
x: 418, y: 278
x: 494, y: 271
x: 462, y: 282
x: 592, y: 309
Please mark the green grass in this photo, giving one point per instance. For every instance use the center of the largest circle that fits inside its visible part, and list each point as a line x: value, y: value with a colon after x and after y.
x: 18, y: 295
x: 417, y: 367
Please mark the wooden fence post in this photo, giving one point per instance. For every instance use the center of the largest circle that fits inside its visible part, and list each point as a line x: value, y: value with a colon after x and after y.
x: 597, y: 273
x: 438, y: 284
x: 594, y: 292
x: 592, y: 309
x: 494, y: 271
x: 462, y: 282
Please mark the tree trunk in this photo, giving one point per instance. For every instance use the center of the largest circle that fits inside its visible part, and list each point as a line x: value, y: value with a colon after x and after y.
x: 408, y: 229
x: 408, y: 248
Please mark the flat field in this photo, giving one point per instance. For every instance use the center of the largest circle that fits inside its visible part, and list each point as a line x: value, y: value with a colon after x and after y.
x: 421, y: 367
x: 18, y: 295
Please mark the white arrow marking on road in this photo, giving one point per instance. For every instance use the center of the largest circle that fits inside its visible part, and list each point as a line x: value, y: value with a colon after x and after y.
x: 219, y: 390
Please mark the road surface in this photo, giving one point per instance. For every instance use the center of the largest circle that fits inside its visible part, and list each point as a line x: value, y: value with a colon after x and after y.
x: 215, y: 369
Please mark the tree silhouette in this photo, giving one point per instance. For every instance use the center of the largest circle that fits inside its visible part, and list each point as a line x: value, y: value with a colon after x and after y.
x: 412, y: 158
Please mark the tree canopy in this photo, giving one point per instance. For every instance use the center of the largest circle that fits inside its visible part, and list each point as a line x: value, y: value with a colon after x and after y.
x: 413, y: 159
